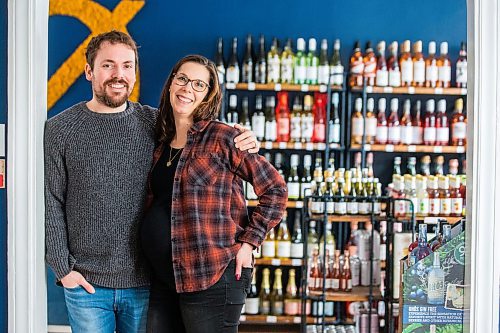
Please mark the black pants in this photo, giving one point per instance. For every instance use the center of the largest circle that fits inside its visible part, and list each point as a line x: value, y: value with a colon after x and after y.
x: 214, y: 310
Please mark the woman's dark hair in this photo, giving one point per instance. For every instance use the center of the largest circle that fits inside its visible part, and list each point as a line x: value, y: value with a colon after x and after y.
x: 207, y: 110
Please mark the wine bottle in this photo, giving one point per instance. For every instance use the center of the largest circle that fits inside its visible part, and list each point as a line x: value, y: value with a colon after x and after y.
x: 233, y: 67
x: 219, y: 61
x: 252, y: 300
x: 248, y: 63
x: 265, y: 293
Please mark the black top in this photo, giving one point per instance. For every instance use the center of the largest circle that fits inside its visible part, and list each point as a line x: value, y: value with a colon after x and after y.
x: 155, y: 229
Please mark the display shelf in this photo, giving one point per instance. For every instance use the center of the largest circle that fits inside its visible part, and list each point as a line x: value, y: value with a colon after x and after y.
x: 265, y: 319
x: 411, y: 148
x: 290, y: 204
x: 298, y: 145
x: 280, y: 87
x: 347, y: 218
x: 358, y: 294
x: 433, y: 219
x: 412, y: 90
x: 278, y: 262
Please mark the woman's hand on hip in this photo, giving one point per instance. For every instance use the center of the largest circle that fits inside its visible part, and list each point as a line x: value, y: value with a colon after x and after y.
x: 243, y: 259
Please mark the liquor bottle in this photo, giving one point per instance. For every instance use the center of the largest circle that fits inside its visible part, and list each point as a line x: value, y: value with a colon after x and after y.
x: 411, y: 167
x: 461, y: 67
x: 330, y: 239
x: 446, y: 234
x: 397, y: 166
x: 382, y: 77
x: 219, y: 61
x: 370, y: 65
x: 312, y: 63
x: 435, y: 283
x: 383, y: 242
x: 293, y: 182
x: 259, y: 119
x: 416, y: 124
x: 277, y: 296
x: 422, y: 250
x: 297, y: 246
x: 345, y: 276
x: 452, y: 167
x: 305, y: 181
x: 335, y: 286
x: 265, y: 293
x: 292, y: 300
x: 418, y: 65
x: 406, y: 124
x: 357, y: 122
x: 439, y: 165
x: 287, y: 57
x: 273, y: 63
x: 422, y: 196
x: 268, y: 246
x: 278, y: 164
x: 431, y: 69
x: 329, y: 192
x: 394, y: 128
x: 425, y: 165
x: 456, y: 196
x: 233, y: 67
x: 248, y: 64
x: 411, y: 194
x: 369, y: 164
x: 319, y: 112
x: 363, y: 203
x: 232, y: 114
x: 382, y: 131
x: 336, y: 67
x: 444, y: 196
x: 377, y: 207
x: 252, y: 300
x: 283, y: 239
x: 307, y: 120
x: 370, y: 122
x: 271, y: 128
x: 356, y: 67
x: 352, y: 204
x: 244, y: 118
x: 393, y: 65
x: 340, y: 203
x: 283, y: 117
x: 442, y: 125
x: 430, y: 123
x: 334, y: 122
x: 300, y: 69
x: 261, y: 63
x: 315, y: 274
x: 295, y: 133
x: 437, y: 239
x: 323, y: 66
x: 434, y: 200
x: 458, y: 125
x: 406, y: 64
x: 312, y: 239
x: 444, y: 67
x: 398, y: 193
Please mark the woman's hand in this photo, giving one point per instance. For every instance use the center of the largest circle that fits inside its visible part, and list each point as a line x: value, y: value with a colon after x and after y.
x: 243, y: 259
x: 246, y: 140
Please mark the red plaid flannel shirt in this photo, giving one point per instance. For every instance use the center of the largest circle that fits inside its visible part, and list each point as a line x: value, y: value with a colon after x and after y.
x: 209, y: 215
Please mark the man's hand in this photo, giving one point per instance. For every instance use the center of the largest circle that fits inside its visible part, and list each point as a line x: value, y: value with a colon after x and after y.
x: 243, y: 259
x: 246, y: 140
x: 75, y: 279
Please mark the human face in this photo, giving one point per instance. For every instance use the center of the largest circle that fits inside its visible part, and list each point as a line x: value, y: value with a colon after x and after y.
x: 113, y: 76
x: 184, y: 99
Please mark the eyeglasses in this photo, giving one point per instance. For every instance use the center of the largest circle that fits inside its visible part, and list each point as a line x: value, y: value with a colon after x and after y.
x: 197, y: 85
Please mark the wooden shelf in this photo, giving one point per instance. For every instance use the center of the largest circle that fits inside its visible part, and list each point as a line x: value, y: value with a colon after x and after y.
x: 280, y: 87
x: 358, y: 294
x: 433, y: 219
x: 297, y: 145
x: 290, y: 204
x: 347, y: 218
x: 279, y: 262
x: 412, y: 148
x: 412, y: 91
x: 264, y: 319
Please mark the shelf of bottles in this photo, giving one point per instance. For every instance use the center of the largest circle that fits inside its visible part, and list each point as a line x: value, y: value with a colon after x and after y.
x: 310, y: 146
x: 252, y: 86
x: 411, y: 148
x: 357, y: 294
x: 412, y: 90
x: 269, y: 319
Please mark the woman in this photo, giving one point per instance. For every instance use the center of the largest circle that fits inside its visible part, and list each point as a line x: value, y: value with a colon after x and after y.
x: 197, y: 234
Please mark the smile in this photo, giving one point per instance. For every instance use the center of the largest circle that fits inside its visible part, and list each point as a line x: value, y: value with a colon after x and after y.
x: 184, y: 99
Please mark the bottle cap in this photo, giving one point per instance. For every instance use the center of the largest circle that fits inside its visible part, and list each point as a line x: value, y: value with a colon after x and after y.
x: 442, y: 105
x: 432, y: 47
x: 394, y: 104
x: 335, y: 98
x: 312, y: 44
x: 406, y: 46
x: 324, y: 44
x: 459, y: 104
x: 370, y: 105
x: 301, y: 44
x: 417, y: 47
x: 430, y: 105
x: 336, y: 44
x: 358, y: 104
x: 382, y: 104
x: 443, y: 49
x: 381, y: 46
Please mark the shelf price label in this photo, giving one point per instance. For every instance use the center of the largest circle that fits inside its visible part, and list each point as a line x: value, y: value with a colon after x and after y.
x: 277, y: 87
x: 412, y: 148
x: 438, y: 149
x: 411, y: 90
x: 299, y: 204
x: 282, y: 145
x: 368, y: 147
x: 321, y: 146
x: 296, y: 320
x: 251, y: 86
x: 304, y: 87
x: 230, y: 85
x: 438, y: 91
x: 309, y: 146
x: 463, y: 91
x: 297, y: 145
x: 389, y: 148
x: 268, y: 145
x: 322, y: 88
x: 271, y: 319
x: 388, y: 90
x: 276, y: 262
x: 369, y: 89
x: 297, y: 262
x: 460, y: 150
x: 243, y: 318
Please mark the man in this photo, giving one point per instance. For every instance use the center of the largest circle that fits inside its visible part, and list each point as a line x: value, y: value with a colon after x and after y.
x: 97, y: 158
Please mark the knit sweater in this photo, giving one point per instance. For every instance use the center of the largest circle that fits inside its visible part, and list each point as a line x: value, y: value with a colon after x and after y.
x: 96, y: 168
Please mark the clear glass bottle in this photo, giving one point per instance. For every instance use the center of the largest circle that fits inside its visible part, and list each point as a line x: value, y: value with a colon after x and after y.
x: 431, y: 68
x: 265, y: 293
x: 292, y: 300
x: 297, y: 245
x: 436, y: 283
x: 406, y: 64
x: 370, y: 122
x: 252, y: 300
x: 273, y: 63
x: 394, y: 127
x: 334, y: 122
x: 458, y: 125
x: 418, y: 65
x: 287, y: 59
x: 382, y: 131
x: 406, y: 124
x: 277, y: 296
x: 422, y: 197
x: 357, y: 122
x: 416, y: 124
x: 312, y: 63
x: 461, y: 67
x: 382, y: 77
x: 336, y: 67
x: 283, y: 239
x: 430, y: 123
x: 442, y: 125
x: 323, y: 65
x: 370, y: 65
x: 444, y: 67
x: 300, y: 66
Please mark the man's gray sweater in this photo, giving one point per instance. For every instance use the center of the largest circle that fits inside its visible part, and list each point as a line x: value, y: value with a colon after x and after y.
x: 96, y: 169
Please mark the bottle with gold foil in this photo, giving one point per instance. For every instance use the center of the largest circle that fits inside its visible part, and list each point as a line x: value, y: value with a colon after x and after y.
x: 292, y: 300
x: 283, y: 239
x: 277, y: 296
x: 265, y: 293
x: 297, y: 245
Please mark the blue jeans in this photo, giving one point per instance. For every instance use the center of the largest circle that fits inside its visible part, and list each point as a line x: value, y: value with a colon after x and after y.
x: 108, y: 310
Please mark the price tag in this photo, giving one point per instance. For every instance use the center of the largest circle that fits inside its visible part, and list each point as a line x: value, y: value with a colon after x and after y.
x: 282, y: 145
x: 460, y: 150
x: 304, y: 87
x: 299, y: 204
x: 368, y: 147
x: 463, y: 91
x: 251, y: 86
x: 322, y: 88
x: 411, y: 90
x: 438, y: 149
x: 230, y: 85
x: 268, y: 145
x: 276, y: 262
x: 271, y: 319
x: 309, y: 146
x: 297, y: 145
x: 369, y: 89
x: 388, y: 90
x: 389, y: 148
x: 243, y: 318
x: 297, y: 262
x: 277, y: 87
x: 321, y: 146
x: 438, y: 91
x: 296, y: 320
x: 412, y: 148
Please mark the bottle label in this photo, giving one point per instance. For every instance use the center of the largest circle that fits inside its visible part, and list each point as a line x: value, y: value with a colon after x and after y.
x: 319, y: 132
x: 406, y: 135
x: 252, y: 305
x: 461, y: 72
x: 394, y: 78
x: 377, y: 209
x: 221, y: 73
x: 273, y: 69
x: 349, y: 284
x: 291, y: 307
x: 419, y: 71
x: 260, y: 73
x: 337, y: 74
x: 435, y: 289
x: 307, y: 127
x: 258, y: 125
x: 295, y: 128
x: 297, y: 250
x: 341, y: 208
x: 306, y: 189
x: 423, y: 206
x: 381, y: 134
x: 445, y: 208
x: 357, y: 126
x: 283, y: 126
x: 407, y: 71
x: 383, y: 249
x: 268, y: 249
x: 434, y: 206
x: 284, y: 249
x: 400, y: 208
x: 232, y: 74
x: 443, y: 134
x: 330, y: 207
x: 357, y: 67
x: 312, y: 74
x: 408, y: 208
x: 456, y: 206
x: 352, y: 208
x: 300, y: 73
x: 323, y: 73
x: 363, y: 207
x: 418, y: 135
x: 459, y: 130
x: 382, y: 79
x: 335, y: 284
x: 394, y: 134
x: 293, y: 190
x: 444, y: 73
x: 270, y: 130
x: 431, y: 74
x: 286, y: 70
x: 317, y: 207
x: 334, y: 133
x: 328, y: 283
x: 430, y: 134
x: 371, y: 126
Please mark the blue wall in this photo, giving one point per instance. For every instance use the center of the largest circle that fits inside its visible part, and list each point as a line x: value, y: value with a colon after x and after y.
x: 166, y: 31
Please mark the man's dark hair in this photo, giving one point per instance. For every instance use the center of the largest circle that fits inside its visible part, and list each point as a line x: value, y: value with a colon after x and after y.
x: 113, y: 37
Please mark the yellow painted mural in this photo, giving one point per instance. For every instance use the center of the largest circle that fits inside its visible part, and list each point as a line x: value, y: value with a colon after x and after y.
x: 98, y: 19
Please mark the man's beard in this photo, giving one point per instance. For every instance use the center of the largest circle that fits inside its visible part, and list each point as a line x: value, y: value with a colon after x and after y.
x: 111, y: 101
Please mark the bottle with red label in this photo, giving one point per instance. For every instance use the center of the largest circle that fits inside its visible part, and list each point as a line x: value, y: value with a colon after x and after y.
x: 442, y: 125
x: 394, y: 128
x: 283, y: 117
x: 370, y: 65
x: 430, y: 123
x: 458, y: 125
x: 381, y: 136
x: 319, y: 112
x: 356, y: 67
